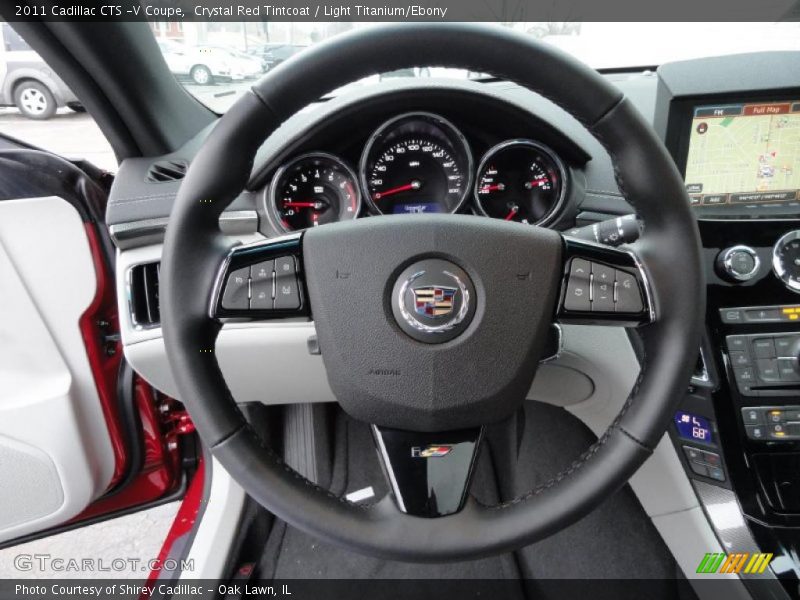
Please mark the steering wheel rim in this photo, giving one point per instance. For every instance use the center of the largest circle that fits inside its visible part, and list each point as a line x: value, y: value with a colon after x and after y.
x: 669, y: 252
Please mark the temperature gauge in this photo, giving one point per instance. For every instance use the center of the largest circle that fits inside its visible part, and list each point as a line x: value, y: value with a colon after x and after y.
x: 312, y: 190
x: 520, y: 180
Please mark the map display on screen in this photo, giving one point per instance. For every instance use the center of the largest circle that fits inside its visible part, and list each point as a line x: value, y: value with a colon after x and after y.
x: 744, y: 154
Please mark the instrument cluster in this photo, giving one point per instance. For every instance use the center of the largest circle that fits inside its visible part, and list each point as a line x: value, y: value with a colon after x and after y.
x: 418, y: 163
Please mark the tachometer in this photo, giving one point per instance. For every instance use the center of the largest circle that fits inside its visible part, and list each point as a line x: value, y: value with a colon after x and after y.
x: 416, y: 163
x: 311, y: 190
x: 520, y: 180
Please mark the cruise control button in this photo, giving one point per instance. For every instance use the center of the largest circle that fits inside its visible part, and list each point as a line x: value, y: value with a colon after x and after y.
x: 285, y: 265
x: 602, y: 288
x: 628, y: 297
x: 287, y: 290
x: 261, y: 291
x: 235, y: 294
x: 262, y: 271
x: 577, y: 297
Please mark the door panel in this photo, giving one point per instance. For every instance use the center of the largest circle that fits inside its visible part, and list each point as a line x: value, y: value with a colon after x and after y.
x: 56, y: 455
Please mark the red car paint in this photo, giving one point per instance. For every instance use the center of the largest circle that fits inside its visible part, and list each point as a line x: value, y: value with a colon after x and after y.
x: 104, y: 364
x: 184, y: 520
x: 160, y: 470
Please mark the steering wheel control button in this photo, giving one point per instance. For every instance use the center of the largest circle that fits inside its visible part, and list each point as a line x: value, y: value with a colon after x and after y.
x: 603, y: 280
x: 287, y: 289
x: 628, y: 298
x: 738, y: 264
x: 579, y: 286
x: 262, y: 271
x: 237, y: 290
x: 261, y: 294
x: 433, y: 300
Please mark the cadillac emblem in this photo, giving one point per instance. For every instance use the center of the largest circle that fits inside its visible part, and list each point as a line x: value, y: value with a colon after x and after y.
x: 433, y: 300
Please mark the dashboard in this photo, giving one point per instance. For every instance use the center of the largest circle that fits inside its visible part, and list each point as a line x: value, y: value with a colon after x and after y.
x: 419, y: 163
x: 491, y: 148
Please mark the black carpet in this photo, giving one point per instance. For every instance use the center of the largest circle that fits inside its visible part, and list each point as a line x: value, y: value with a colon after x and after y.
x: 616, y: 541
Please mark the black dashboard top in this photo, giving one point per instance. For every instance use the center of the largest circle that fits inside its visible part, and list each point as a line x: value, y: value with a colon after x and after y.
x: 487, y: 113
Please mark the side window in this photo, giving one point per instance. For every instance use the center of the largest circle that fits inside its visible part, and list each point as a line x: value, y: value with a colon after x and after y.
x: 38, y: 108
x: 13, y: 41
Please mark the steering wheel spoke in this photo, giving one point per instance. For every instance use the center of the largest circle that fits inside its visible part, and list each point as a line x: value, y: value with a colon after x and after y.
x: 261, y: 281
x: 602, y: 285
x: 429, y: 473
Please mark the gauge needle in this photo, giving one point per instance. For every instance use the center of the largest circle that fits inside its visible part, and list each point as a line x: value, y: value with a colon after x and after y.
x: 496, y: 186
x: 539, y: 181
x: 414, y: 185
x: 511, y: 215
x: 302, y: 204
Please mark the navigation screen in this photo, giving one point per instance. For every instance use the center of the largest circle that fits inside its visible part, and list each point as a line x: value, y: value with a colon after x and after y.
x: 746, y: 157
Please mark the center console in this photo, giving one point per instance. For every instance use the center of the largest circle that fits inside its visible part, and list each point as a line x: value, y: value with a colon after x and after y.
x: 739, y: 426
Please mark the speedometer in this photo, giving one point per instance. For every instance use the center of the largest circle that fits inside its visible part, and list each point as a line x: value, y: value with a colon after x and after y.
x: 416, y: 163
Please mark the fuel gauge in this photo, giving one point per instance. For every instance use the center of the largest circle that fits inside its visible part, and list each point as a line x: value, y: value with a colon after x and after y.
x: 520, y: 180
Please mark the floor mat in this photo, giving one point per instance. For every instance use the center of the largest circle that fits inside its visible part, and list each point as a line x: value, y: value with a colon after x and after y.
x: 615, y: 541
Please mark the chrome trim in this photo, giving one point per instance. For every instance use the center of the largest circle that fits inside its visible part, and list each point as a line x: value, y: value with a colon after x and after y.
x: 550, y: 215
x: 704, y: 376
x: 268, y: 193
x: 129, y: 295
x: 460, y: 137
x: 648, y: 294
x: 460, y: 316
x: 134, y: 233
x: 560, y: 346
x: 777, y: 263
x: 727, y: 262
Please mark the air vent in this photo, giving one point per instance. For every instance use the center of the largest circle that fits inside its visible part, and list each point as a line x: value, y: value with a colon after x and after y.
x: 166, y: 170
x: 144, y: 295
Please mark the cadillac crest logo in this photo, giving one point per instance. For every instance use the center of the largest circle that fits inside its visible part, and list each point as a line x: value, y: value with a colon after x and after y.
x: 433, y: 301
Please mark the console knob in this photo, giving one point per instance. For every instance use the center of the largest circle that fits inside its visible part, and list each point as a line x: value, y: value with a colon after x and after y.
x: 738, y: 263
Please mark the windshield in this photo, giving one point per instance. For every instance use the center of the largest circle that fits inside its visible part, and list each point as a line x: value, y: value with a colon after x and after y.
x: 218, y: 77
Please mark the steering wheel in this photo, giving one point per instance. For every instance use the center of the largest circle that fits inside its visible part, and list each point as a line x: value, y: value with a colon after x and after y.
x: 431, y: 326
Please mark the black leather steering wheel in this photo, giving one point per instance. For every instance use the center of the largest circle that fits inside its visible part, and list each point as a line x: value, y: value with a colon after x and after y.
x: 429, y: 382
